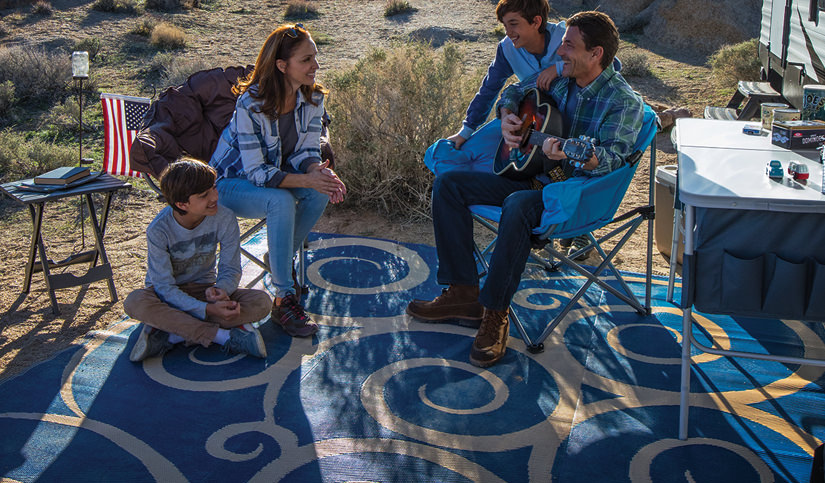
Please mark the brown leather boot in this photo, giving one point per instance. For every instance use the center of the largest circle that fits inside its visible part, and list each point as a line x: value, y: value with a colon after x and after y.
x: 491, y: 340
x: 455, y: 302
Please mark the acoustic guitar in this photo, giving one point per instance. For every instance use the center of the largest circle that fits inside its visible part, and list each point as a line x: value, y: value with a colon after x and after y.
x: 540, y: 120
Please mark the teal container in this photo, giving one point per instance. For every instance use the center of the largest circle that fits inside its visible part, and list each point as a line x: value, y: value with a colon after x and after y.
x: 813, y: 102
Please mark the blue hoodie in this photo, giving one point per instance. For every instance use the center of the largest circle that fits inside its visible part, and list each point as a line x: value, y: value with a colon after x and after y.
x: 510, y: 60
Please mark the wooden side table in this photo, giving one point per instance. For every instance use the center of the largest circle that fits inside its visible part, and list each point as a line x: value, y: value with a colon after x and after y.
x: 36, y: 203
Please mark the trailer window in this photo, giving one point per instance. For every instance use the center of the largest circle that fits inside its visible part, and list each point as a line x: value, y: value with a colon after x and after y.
x: 813, y: 11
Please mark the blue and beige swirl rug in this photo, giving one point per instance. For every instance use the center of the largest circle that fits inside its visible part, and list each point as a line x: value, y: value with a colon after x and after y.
x: 379, y: 397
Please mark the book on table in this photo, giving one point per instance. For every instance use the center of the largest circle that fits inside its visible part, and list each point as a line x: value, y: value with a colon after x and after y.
x: 61, y: 176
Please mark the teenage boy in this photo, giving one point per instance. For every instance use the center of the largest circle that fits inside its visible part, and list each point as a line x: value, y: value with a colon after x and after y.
x: 527, y: 51
x: 185, y: 299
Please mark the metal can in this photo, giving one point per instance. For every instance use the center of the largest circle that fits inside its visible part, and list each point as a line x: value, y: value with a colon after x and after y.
x: 813, y: 102
x: 767, y: 113
x: 781, y: 115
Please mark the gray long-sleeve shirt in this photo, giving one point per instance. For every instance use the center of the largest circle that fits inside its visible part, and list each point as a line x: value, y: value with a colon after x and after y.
x: 177, y: 256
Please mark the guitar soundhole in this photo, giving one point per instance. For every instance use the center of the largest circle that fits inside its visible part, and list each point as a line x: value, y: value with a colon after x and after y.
x: 533, y: 116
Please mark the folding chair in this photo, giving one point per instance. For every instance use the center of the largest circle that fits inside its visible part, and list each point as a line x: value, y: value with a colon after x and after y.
x: 122, y: 119
x: 578, y: 206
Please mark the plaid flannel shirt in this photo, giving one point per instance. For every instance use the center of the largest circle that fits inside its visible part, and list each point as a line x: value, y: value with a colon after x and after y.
x: 607, y: 109
x: 250, y: 146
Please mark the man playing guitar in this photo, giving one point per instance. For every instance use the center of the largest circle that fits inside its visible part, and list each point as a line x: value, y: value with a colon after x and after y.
x: 594, y: 101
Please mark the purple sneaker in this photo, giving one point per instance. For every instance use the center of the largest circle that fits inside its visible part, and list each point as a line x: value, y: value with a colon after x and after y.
x: 291, y: 317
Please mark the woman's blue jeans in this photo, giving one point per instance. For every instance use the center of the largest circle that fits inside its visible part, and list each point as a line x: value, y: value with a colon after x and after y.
x: 290, y: 215
x: 521, y: 209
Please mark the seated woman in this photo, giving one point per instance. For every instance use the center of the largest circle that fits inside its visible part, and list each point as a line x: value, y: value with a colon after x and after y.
x: 269, y: 161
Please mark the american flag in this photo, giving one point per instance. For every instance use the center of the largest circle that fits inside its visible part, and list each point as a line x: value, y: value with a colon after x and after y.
x: 122, y: 116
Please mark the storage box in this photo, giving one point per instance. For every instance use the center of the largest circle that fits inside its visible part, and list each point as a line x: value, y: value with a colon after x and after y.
x: 798, y: 134
x: 663, y: 198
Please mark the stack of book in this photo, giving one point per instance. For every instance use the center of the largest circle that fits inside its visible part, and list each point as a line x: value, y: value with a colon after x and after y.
x: 58, y: 179
x: 62, y: 176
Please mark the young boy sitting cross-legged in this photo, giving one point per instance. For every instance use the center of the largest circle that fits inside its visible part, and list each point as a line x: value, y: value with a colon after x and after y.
x: 185, y: 300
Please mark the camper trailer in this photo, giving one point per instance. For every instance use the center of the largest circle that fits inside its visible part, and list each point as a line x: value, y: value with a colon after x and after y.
x: 792, y: 45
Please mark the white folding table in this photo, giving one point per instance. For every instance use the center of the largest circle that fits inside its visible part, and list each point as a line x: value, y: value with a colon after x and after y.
x: 748, y: 238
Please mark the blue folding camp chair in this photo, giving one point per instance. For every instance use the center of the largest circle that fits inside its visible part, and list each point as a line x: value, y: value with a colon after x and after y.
x: 578, y: 206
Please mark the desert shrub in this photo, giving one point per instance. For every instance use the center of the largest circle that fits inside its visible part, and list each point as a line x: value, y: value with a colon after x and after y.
x: 144, y: 27
x: 174, y: 70
x: 395, y: 7
x: 635, y: 64
x: 90, y: 45
x: 386, y: 111
x: 116, y: 6
x: 7, y: 98
x: 321, y: 38
x: 169, y: 5
x: 499, y: 32
x: 167, y: 36
x: 42, y: 7
x: 22, y: 158
x: 733, y: 63
x: 35, y: 74
x: 300, y: 9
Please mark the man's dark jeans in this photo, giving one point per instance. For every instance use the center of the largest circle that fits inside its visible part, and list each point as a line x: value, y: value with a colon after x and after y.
x: 453, y: 193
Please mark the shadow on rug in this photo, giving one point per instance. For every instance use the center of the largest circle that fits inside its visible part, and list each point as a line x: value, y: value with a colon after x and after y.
x: 376, y: 396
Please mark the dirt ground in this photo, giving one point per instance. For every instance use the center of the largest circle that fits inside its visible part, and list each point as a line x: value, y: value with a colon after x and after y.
x: 30, y: 333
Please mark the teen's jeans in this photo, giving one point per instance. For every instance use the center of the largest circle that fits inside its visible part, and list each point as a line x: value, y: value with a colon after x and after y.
x: 145, y: 305
x: 453, y: 193
x: 290, y: 215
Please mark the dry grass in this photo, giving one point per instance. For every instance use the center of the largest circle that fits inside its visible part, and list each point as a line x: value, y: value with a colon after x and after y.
x: 22, y: 158
x: 388, y: 109
x: 42, y: 7
x: 37, y: 75
x: 396, y: 7
x: 300, y: 9
x: 733, y: 63
x: 174, y: 70
x: 167, y: 36
x: 635, y: 64
x: 116, y: 6
x: 144, y: 27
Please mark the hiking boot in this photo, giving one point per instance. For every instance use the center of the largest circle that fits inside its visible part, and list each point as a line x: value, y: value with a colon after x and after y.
x: 291, y: 317
x: 151, y: 342
x: 246, y: 339
x: 455, y: 302
x: 491, y: 340
x: 577, y: 244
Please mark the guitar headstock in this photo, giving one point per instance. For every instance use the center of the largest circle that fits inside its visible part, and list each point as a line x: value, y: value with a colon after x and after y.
x: 579, y: 150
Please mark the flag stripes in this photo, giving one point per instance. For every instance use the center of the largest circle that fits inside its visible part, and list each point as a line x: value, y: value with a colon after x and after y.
x: 122, y: 116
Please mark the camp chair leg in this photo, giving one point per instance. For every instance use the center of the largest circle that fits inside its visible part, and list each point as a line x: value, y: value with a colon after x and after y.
x: 244, y: 236
x: 302, y: 268
x: 532, y: 347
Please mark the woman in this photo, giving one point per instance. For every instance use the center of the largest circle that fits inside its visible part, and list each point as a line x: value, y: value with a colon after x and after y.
x: 269, y: 160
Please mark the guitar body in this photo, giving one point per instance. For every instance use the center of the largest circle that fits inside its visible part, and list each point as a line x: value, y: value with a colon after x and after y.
x: 538, y: 112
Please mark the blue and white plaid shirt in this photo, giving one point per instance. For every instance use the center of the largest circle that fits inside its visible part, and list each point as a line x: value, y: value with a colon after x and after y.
x: 250, y: 146
x: 607, y: 109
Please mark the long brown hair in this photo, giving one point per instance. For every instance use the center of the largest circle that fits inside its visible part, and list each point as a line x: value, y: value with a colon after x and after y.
x: 273, y: 87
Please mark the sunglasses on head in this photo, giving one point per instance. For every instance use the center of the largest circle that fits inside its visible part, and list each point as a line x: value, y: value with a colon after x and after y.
x: 293, y: 31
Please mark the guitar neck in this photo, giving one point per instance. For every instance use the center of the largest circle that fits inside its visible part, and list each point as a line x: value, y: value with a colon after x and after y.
x: 537, y: 138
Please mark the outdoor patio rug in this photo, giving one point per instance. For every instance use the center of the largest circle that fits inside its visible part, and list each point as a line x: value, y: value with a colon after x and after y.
x: 376, y: 396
